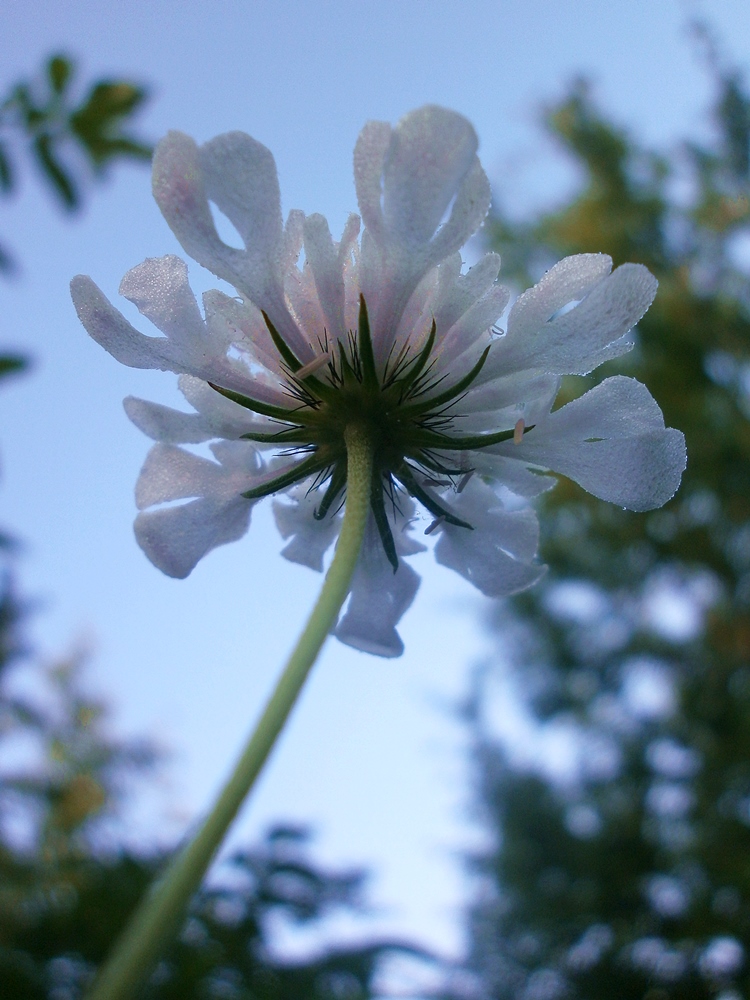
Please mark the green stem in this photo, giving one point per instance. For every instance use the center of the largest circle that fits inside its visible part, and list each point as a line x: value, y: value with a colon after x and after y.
x: 159, y: 916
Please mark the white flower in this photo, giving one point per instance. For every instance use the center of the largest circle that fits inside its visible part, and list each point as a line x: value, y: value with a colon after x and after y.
x: 386, y: 331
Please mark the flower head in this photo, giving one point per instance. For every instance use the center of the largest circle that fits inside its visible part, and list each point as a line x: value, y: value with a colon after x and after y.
x: 388, y: 333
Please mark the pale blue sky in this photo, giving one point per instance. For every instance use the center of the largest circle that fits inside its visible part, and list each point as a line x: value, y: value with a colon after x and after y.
x: 372, y: 758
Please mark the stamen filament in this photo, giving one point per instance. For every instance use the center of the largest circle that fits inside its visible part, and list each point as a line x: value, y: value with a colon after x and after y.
x: 434, y: 402
x: 463, y: 481
x: 406, y: 476
x: 290, y: 415
x: 300, y: 471
x: 312, y: 366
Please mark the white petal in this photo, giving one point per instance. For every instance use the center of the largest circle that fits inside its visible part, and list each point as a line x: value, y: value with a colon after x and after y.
x: 176, y: 538
x: 527, y: 393
x: 583, y: 338
x: 471, y: 333
x: 401, y: 520
x: 241, y: 324
x: 495, y: 556
x: 570, y: 279
x: 369, y: 156
x: 577, y: 338
x: 159, y: 288
x: 513, y: 475
x: 171, y: 473
x: 467, y: 214
x: 310, y: 539
x: 430, y: 153
x: 379, y: 598
x: 241, y: 179
x: 458, y: 292
x: 162, y: 423
x: 611, y: 441
x: 109, y: 328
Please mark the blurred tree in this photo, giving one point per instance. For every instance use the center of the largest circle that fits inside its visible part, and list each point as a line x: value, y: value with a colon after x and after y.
x: 629, y: 877
x: 62, y: 136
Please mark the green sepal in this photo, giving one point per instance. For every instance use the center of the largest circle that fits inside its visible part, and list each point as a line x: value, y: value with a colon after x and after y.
x: 404, y: 473
x: 377, y: 504
x: 281, y: 345
x: 293, y: 362
x: 418, y: 363
x: 288, y: 478
x: 335, y: 486
x: 432, y: 439
x: 290, y: 435
x: 435, y: 465
x: 263, y: 409
x: 348, y: 375
x: 366, y: 354
x: 414, y: 409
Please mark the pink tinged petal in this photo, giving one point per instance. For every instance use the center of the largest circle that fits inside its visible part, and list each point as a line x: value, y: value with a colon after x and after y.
x: 309, y: 539
x: 256, y: 369
x: 159, y: 288
x: 241, y: 179
x: 379, y: 597
x: 369, y: 157
x: 497, y: 555
x: 430, y: 162
x: 241, y: 324
x: 471, y: 333
x: 239, y: 175
x: 304, y: 304
x: 162, y: 423
x: 326, y: 262
x: 612, y: 442
x: 109, y: 328
x: 292, y: 240
x: 176, y: 538
x: 457, y: 292
x: 179, y: 189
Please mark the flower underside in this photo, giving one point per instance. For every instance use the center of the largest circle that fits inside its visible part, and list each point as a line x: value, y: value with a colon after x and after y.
x: 406, y: 418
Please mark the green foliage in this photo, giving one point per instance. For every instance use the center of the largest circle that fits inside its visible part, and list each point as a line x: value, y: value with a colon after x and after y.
x: 59, y: 129
x: 632, y: 879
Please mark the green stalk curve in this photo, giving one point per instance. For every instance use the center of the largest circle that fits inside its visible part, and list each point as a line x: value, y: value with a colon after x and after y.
x: 159, y: 916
